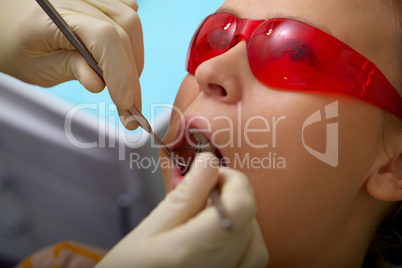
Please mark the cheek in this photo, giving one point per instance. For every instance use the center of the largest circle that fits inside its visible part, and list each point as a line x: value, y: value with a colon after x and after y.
x: 186, y: 95
x: 334, y: 133
x: 304, y: 197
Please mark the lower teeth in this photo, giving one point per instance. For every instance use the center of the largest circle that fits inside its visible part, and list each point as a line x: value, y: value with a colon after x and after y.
x: 189, y: 153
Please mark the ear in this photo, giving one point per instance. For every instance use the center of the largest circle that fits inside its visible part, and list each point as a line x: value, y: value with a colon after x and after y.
x: 385, y: 183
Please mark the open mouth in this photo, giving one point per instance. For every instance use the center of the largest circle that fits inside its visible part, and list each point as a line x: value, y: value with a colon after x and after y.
x: 193, y: 144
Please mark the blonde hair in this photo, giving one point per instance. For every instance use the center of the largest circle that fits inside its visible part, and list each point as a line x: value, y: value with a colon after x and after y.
x: 394, y: 11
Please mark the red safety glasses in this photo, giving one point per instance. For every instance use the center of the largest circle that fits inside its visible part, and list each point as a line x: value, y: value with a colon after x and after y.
x: 288, y: 54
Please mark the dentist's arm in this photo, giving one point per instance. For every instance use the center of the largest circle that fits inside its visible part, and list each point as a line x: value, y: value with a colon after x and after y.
x: 183, y: 231
x: 34, y: 50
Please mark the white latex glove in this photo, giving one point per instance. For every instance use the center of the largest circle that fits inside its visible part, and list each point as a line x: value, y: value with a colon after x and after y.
x: 183, y: 232
x: 34, y: 50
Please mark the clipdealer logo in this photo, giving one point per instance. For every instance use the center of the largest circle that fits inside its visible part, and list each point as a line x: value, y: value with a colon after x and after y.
x: 331, y: 154
x: 270, y: 126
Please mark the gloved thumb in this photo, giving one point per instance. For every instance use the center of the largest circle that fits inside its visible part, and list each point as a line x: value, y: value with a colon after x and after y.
x: 189, y: 197
x: 84, y: 73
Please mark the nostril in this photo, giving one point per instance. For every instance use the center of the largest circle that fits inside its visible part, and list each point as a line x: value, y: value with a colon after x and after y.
x: 217, y: 90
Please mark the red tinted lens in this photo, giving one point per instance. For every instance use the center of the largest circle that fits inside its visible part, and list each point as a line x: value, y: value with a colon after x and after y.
x: 280, y: 56
x: 288, y: 54
x: 213, y: 38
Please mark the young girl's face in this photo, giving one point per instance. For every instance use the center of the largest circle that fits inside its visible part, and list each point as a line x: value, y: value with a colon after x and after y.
x: 311, y: 207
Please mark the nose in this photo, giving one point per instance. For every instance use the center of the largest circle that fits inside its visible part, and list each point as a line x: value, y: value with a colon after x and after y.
x: 224, y: 77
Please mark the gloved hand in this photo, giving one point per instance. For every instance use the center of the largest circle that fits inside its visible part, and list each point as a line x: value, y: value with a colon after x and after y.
x: 34, y: 50
x: 183, y: 232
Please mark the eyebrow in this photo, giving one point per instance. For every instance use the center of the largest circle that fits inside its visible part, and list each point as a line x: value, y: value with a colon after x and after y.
x: 228, y: 10
x: 307, y: 21
x: 280, y: 15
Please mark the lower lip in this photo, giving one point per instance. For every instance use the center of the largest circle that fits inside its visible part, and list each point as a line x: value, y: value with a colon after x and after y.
x: 176, y: 176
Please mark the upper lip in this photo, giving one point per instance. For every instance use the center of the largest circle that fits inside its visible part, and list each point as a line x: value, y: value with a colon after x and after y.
x: 182, y: 135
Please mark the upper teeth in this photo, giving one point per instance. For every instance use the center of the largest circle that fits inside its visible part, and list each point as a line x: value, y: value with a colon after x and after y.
x: 203, y: 142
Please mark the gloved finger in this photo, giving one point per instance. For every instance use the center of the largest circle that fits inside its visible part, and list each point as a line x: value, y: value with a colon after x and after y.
x: 238, y: 202
x: 237, y: 196
x: 131, y: 3
x: 129, y: 21
x: 124, y: 116
x: 189, y: 197
x: 256, y: 254
x: 191, y: 249
x: 85, y: 74
x: 128, y: 26
x: 63, y: 65
x: 127, y: 119
x: 237, y: 199
x: 118, y: 10
x: 204, y: 232
x: 120, y: 15
x: 111, y: 55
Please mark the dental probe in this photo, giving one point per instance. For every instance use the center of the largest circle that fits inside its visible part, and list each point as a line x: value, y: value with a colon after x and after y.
x: 225, y: 221
x: 137, y: 115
